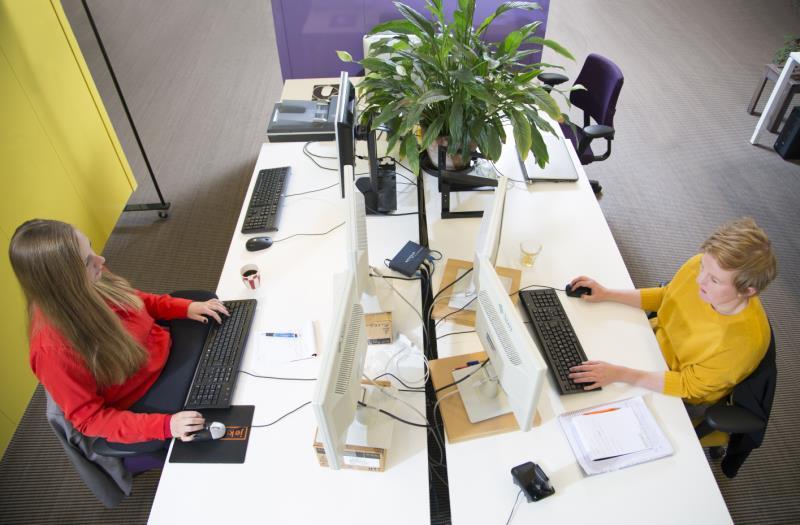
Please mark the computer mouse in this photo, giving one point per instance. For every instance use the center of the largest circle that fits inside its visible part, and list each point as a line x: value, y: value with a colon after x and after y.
x: 258, y: 243
x: 578, y: 292
x: 326, y: 91
x: 210, y: 431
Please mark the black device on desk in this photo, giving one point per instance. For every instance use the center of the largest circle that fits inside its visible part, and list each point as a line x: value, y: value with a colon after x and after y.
x: 266, y: 201
x: 218, y: 368
x: 556, y: 337
x: 302, y: 121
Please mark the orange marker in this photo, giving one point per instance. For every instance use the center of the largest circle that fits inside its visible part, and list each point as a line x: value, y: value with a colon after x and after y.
x: 601, y: 411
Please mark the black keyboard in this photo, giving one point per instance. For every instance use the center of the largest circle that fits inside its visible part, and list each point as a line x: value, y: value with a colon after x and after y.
x: 556, y: 337
x: 266, y: 202
x: 218, y: 367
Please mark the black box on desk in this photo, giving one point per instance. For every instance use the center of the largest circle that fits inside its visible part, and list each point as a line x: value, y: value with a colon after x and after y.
x: 302, y: 121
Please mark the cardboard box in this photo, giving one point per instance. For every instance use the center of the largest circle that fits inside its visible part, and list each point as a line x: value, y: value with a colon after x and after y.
x: 355, y: 457
x: 379, y: 328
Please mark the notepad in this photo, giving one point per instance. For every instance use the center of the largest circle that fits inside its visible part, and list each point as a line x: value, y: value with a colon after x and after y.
x: 610, y: 433
x: 284, y: 345
x: 614, y: 436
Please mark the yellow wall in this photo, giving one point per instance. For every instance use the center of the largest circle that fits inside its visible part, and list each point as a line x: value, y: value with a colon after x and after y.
x: 59, y: 158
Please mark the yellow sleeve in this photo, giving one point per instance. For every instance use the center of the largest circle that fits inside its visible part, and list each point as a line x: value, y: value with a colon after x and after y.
x: 651, y: 298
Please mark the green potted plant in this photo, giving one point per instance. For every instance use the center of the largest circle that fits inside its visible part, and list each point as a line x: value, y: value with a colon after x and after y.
x: 790, y: 45
x: 439, y: 81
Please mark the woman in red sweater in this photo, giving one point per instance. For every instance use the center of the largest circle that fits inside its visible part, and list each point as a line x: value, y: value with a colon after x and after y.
x: 94, y: 342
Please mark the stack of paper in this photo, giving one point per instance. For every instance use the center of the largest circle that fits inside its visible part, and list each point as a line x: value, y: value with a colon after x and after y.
x: 614, y: 436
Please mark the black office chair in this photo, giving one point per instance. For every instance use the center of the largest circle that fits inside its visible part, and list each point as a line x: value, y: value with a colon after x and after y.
x: 736, y: 425
x: 603, y: 82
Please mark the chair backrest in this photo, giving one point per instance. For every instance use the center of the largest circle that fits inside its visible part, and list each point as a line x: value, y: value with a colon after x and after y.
x: 603, y: 82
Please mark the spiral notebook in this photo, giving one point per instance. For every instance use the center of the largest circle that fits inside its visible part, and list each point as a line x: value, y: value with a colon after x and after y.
x: 615, y: 435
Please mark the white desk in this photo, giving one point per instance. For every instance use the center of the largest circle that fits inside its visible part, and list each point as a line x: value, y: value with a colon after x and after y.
x: 281, y: 481
x: 567, y: 220
x: 780, y: 86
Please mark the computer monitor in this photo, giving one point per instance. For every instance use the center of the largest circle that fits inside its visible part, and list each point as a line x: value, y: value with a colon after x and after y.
x: 345, y: 128
x: 338, y: 388
x: 517, y: 363
x: 356, y: 233
x: 487, y: 245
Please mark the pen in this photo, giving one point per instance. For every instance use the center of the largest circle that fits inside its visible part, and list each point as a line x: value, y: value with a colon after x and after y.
x: 469, y: 363
x: 280, y: 334
x: 601, y: 412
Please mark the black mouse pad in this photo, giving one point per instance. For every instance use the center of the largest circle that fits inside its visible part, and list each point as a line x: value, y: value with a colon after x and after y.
x: 229, y: 449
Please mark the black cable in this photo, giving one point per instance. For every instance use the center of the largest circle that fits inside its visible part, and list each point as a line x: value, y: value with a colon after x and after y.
x: 516, y: 502
x: 393, y: 277
x: 454, y: 383
x: 278, y: 378
x: 451, y: 284
x: 311, y: 191
x: 283, y: 416
x: 456, y: 311
x: 308, y: 234
x: 439, y: 253
x: 399, y: 380
x: 400, y: 419
x: 456, y: 333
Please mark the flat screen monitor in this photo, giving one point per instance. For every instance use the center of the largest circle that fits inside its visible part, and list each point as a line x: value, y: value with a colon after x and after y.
x: 356, y: 233
x: 345, y: 128
x: 487, y: 245
x: 518, y: 365
x: 338, y: 388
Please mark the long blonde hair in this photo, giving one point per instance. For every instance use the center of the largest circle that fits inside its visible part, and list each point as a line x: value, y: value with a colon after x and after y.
x: 46, y: 259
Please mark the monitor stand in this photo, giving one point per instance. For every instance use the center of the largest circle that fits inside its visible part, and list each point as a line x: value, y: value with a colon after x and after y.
x: 481, y: 393
x: 371, y: 428
x: 384, y: 200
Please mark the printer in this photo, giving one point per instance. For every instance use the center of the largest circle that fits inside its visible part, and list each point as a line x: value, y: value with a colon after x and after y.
x: 303, y: 121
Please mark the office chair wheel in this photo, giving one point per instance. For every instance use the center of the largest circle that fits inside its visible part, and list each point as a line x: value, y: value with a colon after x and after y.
x: 596, y: 187
x: 716, y: 452
x: 163, y: 214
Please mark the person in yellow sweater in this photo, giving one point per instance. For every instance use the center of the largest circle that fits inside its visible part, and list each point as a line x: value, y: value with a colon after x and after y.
x: 710, y: 324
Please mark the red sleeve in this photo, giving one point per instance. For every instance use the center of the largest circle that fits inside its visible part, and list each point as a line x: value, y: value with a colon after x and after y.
x: 74, y: 389
x: 164, y: 307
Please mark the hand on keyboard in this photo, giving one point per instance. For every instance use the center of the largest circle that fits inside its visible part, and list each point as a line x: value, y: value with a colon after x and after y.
x: 597, y: 374
x: 202, y: 311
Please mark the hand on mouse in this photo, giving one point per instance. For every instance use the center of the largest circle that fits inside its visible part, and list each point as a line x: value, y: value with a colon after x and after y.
x: 599, y: 292
x: 181, y: 424
x: 201, y: 311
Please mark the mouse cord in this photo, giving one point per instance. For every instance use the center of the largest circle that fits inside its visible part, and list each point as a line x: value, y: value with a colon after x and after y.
x: 283, y: 416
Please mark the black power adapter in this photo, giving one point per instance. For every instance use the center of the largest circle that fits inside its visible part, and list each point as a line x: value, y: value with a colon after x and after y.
x: 533, y: 481
x: 408, y: 259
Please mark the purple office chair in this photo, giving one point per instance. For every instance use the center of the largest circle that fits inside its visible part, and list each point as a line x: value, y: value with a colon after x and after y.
x: 603, y: 82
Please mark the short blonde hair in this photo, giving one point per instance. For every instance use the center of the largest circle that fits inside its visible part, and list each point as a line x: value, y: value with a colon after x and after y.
x: 743, y: 247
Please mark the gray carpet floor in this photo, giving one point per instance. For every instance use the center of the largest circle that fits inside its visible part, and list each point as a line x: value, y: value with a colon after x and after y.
x: 200, y: 77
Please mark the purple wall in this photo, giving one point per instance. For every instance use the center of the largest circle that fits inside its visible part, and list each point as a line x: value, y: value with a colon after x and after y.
x: 309, y: 32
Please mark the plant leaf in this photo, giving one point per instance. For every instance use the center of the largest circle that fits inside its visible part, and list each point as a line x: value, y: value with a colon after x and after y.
x: 502, y: 8
x: 456, y: 122
x: 539, y: 148
x: 432, y: 96
x: 552, y: 44
x: 432, y: 132
x: 344, y: 56
x: 411, y: 153
x: 395, y: 26
x: 522, y: 132
x: 413, y: 16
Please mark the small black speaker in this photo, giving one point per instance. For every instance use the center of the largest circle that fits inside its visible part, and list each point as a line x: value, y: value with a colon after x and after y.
x: 788, y: 143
